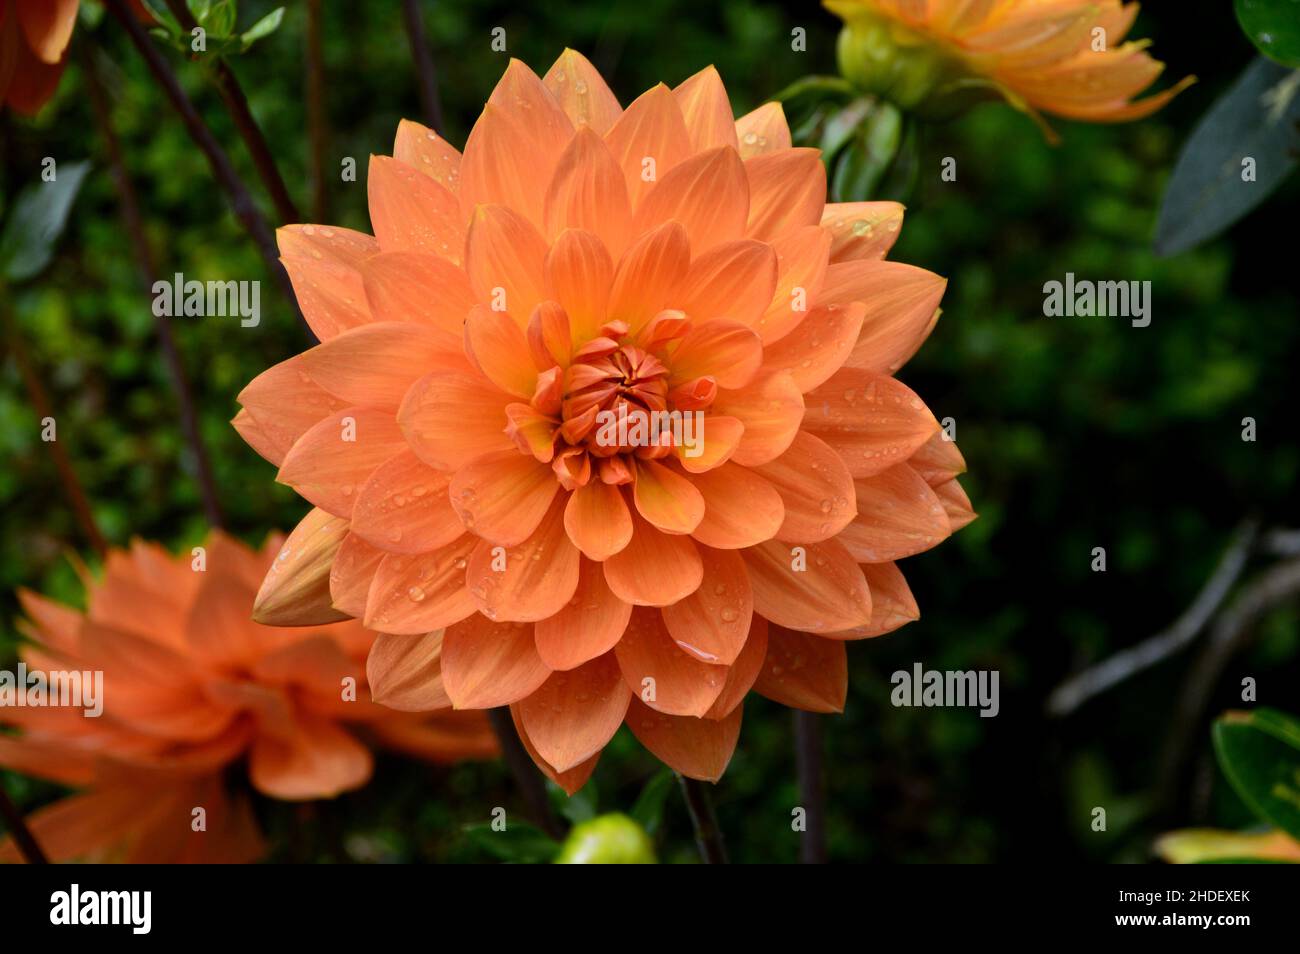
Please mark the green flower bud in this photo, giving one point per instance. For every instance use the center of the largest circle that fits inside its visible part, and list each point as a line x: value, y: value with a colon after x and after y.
x: 612, y: 839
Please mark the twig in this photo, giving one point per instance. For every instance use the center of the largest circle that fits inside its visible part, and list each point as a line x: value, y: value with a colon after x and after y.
x: 134, y: 223
x: 28, y: 847
x: 1281, y: 541
x: 1274, y: 587
x: 425, y: 73
x: 708, y: 836
x: 808, y: 762
x: 44, y: 408
x: 241, y: 201
x: 317, y: 117
x: 232, y: 94
x: 1080, y: 688
x: 521, y: 766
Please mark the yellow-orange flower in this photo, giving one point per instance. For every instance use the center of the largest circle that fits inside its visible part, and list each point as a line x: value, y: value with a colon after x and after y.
x: 34, y: 37
x: 190, y: 687
x: 1065, y: 57
x: 583, y: 263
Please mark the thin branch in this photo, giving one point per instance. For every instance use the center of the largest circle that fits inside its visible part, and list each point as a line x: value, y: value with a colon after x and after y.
x: 426, y: 75
x: 526, y: 775
x: 708, y: 835
x: 28, y: 847
x: 812, y: 796
x: 1281, y: 541
x: 44, y: 407
x: 232, y: 94
x: 1276, y: 586
x: 241, y: 201
x: 1078, y: 689
x: 134, y: 224
x: 317, y: 116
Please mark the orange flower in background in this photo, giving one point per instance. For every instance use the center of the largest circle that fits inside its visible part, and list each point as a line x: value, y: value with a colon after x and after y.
x: 471, y: 429
x: 34, y: 37
x: 190, y: 687
x: 1065, y: 57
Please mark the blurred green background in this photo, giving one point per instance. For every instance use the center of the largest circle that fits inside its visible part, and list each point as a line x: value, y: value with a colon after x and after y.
x: 1079, y: 432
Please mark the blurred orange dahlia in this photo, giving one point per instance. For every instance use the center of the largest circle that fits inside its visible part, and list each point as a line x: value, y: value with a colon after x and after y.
x: 34, y: 37
x: 1065, y: 57
x: 190, y: 687
x: 584, y: 265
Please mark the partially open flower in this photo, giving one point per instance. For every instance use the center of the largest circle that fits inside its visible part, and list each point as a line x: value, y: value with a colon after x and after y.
x: 1065, y: 57
x: 190, y: 687
x: 608, y: 406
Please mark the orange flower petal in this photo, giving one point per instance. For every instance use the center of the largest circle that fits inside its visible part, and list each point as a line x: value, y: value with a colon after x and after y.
x: 423, y: 289
x: 330, y: 292
x: 590, y: 624
x: 697, y: 748
x: 801, y: 256
x: 873, y: 421
x: 421, y: 148
x: 713, y: 622
x: 587, y: 192
x: 597, y: 520
x: 718, y: 442
x: 283, y: 403
x: 375, y: 365
x: 938, y: 460
x: 404, y: 507
x: 571, y: 780
x: 771, y: 408
x: 648, y: 141
x: 487, y: 664
x: 579, y: 272
x: 862, y: 230
x: 826, y: 337
x: 411, y: 212
x: 902, y: 305
x: 337, y: 455
x: 898, y: 516
x: 743, y: 672
x: 707, y: 111
x: 413, y: 595
x: 476, y: 407
x: 734, y: 280
x: 816, y: 488
x: 762, y: 131
x: 666, y: 499
x: 296, y: 591
x: 649, y: 274
x: 892, y: 603
x: 353, y: 571
x: 707, y: 193
x: 787, y: 191
x: 803, y: 671
x: 741, y: 509
x: 582, y: 92
x: 505, y: 260
x: 955, y: 503
x: 815, y: 587
x: 726, y: 351
x: 47, y: 26
x: 405, y: 672
x: 654, y: 569
x: 573, y: 714
x: 320, y: 760
x: 532, y: 581
x: 502, y: 497
x: 663, y: 675
x: 499, y: 349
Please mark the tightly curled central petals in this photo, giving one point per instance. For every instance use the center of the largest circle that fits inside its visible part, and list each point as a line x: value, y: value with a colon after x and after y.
x: 608, y: 408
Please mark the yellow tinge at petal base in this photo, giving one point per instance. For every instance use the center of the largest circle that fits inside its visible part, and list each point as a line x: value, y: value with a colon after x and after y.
x: 1068, y: 58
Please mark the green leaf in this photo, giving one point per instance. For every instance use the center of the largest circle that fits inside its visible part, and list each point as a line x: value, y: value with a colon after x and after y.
x: 160, y: 12
x: 578, y: 807
x: 648, y: 810
x: 220, y: 20
x: 36, y: 221
x: 1273, y: 26
x: 1259, y: 751
x: 1256, y: 119
x: 866, y: 160
x: 263, y: 27
x: 199, y: 9
x: 520, y: 842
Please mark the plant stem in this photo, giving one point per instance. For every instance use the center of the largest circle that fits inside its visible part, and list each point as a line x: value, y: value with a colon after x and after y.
x: 134, y: 223
x: 44, y: 408
x: 708, y: 836
x: 241, y: 201
x: 232, y: 94
x: 808, y: 760
x: 317, y: 117
x: 424, y: 70
x: 28, y: 847
x: 527, y: 777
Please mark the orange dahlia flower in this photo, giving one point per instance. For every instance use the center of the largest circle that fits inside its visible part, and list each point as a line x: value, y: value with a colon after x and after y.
x: 190, y: 687
x: 476, y: 415
x: 34, y: 37
x: 1065, y: 57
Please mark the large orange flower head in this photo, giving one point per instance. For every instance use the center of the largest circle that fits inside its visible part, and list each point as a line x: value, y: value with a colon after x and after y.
x: 1065, y: 57
x: 34, y: 37
x: 190, y: 687
x: 604, y: 419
